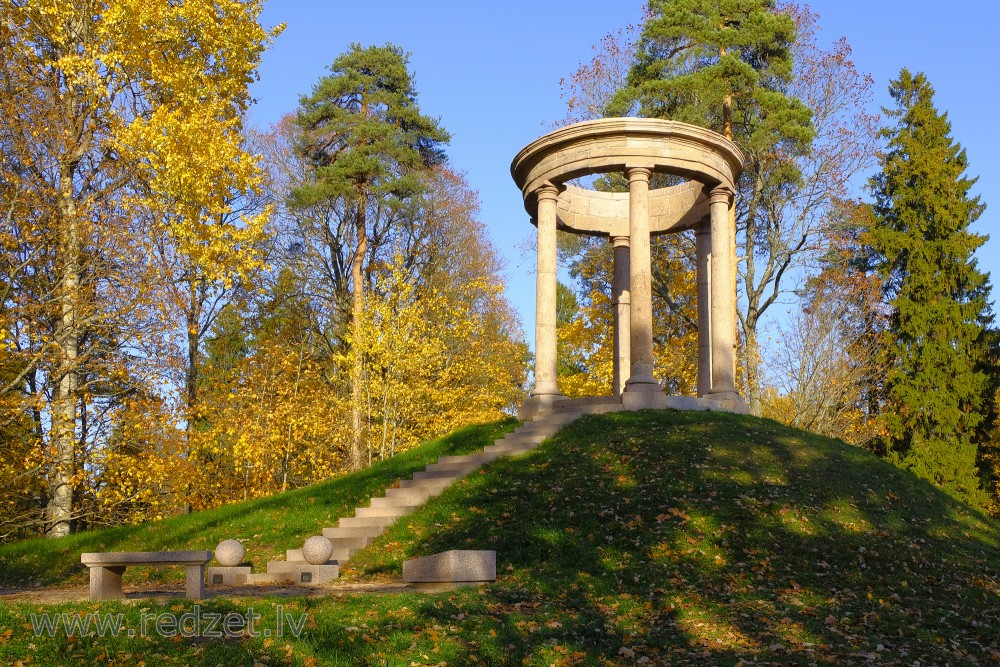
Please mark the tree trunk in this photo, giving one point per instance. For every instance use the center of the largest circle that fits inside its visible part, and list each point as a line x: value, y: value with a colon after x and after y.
x: 357, y: 312
x: 752, y: 364
x: 59, y: 512
x: 193, y: 340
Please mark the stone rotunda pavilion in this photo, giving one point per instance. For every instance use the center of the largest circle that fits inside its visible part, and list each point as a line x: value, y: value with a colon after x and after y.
x: 637, y: 148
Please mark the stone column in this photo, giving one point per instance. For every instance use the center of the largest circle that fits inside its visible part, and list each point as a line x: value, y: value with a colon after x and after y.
x: 723, y: 300
x: 703, y: 250
x: 546, y: 346
x: 621, y: 298
x: 641, y: 390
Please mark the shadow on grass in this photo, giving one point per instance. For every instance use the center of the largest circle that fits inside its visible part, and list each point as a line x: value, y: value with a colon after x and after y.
x: 715, y: 539
x: 269, y: 525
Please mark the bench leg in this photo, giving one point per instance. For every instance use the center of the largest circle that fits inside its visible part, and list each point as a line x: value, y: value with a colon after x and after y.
x: 106, y: 583
x: 195, y: 582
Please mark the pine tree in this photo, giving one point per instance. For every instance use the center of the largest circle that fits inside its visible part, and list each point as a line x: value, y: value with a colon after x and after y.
x: 366, y: 142
x: 721, y: 65
x: 728, y: 65
x: 939, y: 299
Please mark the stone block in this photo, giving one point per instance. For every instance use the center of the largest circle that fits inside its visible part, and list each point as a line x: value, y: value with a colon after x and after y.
x: 643, y: 400
x: 314, y: 575
x: 228, y: 576
x: 688, y: 403
x: 457, y: 566
x: 302, y: 574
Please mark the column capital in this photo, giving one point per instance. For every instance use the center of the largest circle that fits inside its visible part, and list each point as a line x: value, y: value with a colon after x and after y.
x: 620, y: 241
x: 638, y: 173
x: 547, y: 192
x: 721, y: 194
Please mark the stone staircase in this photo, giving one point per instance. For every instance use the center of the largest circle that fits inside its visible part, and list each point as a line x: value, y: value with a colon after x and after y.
x: 351, y: 534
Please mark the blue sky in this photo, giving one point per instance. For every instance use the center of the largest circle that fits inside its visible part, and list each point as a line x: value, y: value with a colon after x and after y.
x: 491, y: 72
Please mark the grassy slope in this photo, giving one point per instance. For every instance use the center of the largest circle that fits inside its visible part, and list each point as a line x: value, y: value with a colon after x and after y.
x: 267, y: 524
x: 650, y: 538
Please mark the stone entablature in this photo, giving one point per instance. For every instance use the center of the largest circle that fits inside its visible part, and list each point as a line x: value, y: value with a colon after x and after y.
x: 637, y: 148
x: 616, y: 144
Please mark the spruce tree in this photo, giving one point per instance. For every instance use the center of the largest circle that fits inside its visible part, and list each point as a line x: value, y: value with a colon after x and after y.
x: 923, y: 250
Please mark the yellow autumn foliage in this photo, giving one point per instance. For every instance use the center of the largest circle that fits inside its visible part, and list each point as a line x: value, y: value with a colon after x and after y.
x: 434, y: 358
x: 587, y: 343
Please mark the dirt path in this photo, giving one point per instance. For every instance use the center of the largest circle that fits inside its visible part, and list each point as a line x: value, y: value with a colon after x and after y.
x: 163, y: 594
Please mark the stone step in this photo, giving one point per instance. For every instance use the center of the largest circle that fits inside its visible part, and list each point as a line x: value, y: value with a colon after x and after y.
x: 362, y: 533
x: 343, y: 555
x: 566, y: 415
x: 352, y: 542
x: 282, y: 566
x: 602, y: 409
x: 366, y: 521
x: 535, y: 435
x: 531, y: 430
x: 352, y: 534
x: 386, y: 511
x: 458, y: 469
x: 480, y: 458
x: 526, y: 438
x: 510, y: 450
x: 518, y: 442
x: 450, y: 475
x: 524, y: 441
x: 402, y: 497
x: 423, y: 493
x: 574, y: 404
x: 434, y: 486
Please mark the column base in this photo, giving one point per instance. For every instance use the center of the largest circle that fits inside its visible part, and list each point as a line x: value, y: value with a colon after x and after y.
x: 730, y: 401
x: 537, y: 405
x: 643, y: 397
x: 641, y: 379
x: 642, y: 391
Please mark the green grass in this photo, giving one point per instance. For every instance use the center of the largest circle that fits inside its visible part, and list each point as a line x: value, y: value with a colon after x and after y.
x: 269, y: 525
x: 642, y: 538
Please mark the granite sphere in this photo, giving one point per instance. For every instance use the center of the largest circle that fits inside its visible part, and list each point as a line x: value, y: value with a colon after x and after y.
x: 317, y: 550
x: 229, y: 553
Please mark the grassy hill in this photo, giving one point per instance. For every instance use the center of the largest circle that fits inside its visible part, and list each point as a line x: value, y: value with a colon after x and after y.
x: 633, y: 538
x: 270, y: 525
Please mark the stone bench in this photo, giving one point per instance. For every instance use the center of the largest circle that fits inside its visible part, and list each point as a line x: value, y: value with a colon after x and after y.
x: 106, y: 570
